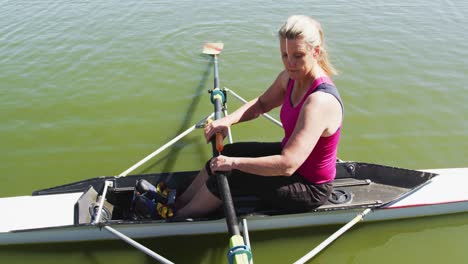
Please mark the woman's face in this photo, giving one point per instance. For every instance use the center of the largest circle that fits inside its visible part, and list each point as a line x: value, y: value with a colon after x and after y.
x: 298, y: 57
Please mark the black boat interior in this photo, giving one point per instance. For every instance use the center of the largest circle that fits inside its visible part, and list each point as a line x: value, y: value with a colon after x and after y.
x: 357, y: 185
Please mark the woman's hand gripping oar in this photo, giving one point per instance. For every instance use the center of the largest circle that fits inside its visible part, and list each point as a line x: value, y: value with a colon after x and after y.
x: 217, y: 132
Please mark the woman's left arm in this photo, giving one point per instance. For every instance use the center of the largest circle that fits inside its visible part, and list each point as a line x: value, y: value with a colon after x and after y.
x: 320, y: 115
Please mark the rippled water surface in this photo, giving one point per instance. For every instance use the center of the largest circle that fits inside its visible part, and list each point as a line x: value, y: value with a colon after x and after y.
x: 90, y: 88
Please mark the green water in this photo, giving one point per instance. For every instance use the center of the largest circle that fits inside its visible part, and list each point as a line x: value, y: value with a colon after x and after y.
x: 90, y: 88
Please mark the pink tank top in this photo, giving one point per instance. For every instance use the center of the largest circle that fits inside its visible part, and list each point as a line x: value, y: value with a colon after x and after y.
x: 320, y: 165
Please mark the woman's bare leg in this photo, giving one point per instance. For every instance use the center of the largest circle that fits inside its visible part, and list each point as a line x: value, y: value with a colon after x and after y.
x: 202, y: 203
x: 193, y: 188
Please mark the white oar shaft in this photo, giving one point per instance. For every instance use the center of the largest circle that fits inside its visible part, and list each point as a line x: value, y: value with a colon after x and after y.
x: 161, y: 149
x: 229, y: 129
x: 245, y: 234
x: 334, y: 236
x: 138, y: 246
x: 267, y: 116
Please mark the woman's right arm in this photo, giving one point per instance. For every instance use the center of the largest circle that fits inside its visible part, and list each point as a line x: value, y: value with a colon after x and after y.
x: 271, y: 98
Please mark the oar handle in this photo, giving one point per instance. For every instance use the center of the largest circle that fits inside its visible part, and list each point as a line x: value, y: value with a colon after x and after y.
x: 218, y: 98
x: 219, y: 142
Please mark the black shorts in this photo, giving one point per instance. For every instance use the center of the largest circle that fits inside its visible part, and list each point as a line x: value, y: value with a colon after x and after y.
x: 291, y: 194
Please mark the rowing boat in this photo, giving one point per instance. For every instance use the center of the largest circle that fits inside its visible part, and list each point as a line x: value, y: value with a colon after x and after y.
x: 65, y: 213
x: 81, y: 211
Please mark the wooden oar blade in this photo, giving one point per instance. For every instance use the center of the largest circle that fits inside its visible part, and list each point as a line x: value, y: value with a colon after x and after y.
x: 213, y: 48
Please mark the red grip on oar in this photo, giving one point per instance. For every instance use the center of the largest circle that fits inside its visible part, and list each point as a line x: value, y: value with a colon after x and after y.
x: 219, y: 142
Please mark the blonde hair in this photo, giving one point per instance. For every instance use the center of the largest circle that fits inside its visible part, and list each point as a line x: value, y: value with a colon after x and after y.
x: 311, y: 30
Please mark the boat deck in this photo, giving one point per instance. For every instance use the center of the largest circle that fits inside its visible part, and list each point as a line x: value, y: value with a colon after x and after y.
x: 29, y: 212
x: 449, y: 187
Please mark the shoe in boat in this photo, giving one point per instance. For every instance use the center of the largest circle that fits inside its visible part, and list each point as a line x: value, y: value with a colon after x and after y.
x: 161, y: 193
x: 143, y: 208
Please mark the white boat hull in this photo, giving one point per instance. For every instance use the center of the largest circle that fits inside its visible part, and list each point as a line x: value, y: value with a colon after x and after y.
x: 443, y: 194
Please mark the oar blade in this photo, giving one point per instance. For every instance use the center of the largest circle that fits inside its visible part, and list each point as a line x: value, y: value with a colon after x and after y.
x: 213, y: 48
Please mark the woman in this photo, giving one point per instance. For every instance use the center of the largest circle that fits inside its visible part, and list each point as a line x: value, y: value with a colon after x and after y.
x: 293, y: 175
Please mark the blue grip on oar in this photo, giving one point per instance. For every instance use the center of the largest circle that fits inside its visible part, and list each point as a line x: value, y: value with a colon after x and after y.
x: 217, y: 93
